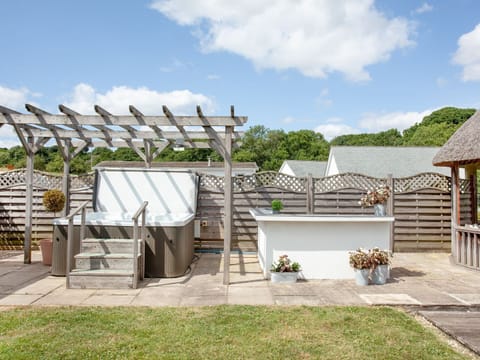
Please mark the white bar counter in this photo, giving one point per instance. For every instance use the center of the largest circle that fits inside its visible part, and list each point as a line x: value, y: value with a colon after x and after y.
x: 320, y: 243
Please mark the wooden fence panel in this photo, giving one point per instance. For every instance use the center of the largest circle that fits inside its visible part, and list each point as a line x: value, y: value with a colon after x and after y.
x: 421, y: 206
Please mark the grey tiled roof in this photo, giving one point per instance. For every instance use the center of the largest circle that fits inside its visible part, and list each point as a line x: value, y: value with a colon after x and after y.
x: 302, y: 168
x: 379, y: 161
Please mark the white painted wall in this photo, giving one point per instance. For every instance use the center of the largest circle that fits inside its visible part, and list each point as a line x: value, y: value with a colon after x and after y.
x: 321, y: 244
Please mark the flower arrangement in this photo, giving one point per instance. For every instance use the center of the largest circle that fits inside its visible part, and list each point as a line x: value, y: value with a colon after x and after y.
x: 363, y: 259
x: 277, y: 205
x: 360, y: 259
x: 284, y: 264
x: 379, y: 257
x: 375, y: 196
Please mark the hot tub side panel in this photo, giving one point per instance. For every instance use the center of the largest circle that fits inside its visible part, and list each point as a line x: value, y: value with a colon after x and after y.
x: 168, y: 250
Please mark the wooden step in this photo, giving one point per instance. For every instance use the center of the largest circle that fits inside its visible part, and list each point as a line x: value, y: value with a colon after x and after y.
x: 101, y: 279
x: 93, y: 261
x: 108, y: 246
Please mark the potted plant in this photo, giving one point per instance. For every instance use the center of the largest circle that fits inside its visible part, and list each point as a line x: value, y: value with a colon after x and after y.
x: 380, y: 264
x: 53, y: 201
x: 376, y: 198
x: 277, y: 205
x: 284, y: 270
x: 361, y: 263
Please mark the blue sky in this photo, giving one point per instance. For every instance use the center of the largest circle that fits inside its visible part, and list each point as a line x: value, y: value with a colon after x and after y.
x: 336, y: 67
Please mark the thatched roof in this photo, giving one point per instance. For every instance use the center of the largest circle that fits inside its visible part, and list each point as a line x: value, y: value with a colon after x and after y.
x: 463, y: 147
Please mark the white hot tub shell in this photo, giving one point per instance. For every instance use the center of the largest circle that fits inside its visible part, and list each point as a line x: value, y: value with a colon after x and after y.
x: 172, y: 199
x: 321, y: 244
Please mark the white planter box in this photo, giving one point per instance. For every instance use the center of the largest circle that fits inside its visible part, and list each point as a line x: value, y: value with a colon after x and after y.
x: 319, y: 243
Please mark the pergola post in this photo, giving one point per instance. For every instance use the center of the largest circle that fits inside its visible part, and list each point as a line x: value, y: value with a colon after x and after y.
x: 455, y: 208
x: 228, y: 189
x: 66, y: 178
x: 27, y: 246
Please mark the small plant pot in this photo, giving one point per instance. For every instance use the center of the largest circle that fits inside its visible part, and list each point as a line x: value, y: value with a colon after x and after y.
x: 381, y: 274
x: 275, y: 211
x: 46, y: 250
x: 361, y: 276
x: 284, y: 277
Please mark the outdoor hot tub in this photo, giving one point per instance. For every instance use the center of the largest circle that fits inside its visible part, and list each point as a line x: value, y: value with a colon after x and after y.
x: 118, y: 193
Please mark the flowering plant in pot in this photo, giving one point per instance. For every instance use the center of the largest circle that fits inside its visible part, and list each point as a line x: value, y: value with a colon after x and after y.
x: 380, y: 265
x: 284, y: 270
x: 361, y: 262
x: 53, y: 201
x: 377, y: 198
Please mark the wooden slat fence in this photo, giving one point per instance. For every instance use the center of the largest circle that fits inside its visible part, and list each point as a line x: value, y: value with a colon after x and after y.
x: 421, y: 205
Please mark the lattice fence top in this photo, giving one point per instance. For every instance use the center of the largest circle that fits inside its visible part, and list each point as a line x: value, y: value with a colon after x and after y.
x: 347, y: 181
x: 255, y: 181
x: 263, y: 179
x: 44, y: 180
x: 423, y: 181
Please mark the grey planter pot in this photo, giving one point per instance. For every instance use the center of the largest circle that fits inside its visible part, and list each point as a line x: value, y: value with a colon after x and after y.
x: 361, y: 276
x: 284, y: 277
x: 381, y: 274
x: 379, y: 209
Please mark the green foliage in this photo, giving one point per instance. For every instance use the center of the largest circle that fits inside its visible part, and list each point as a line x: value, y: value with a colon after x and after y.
x: 269, y: 148
x: 217, y: 332
x: 284, y: 264
x: 436, y: 128
x: 277, y: 205
x: 390, y: 137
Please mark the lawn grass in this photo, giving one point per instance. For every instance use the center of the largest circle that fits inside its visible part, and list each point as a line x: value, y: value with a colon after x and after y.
x: 220, y: 332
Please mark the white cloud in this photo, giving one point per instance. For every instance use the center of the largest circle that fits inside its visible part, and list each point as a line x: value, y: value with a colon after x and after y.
x: 316, y: 37
x: 14, y: 99
x: 334, y: 127
x: 468, y: 54
x: 425, y: 7
x: 371, y: 123
x: 213, y: 77
x: 149, y: 102
x: 397, y: 120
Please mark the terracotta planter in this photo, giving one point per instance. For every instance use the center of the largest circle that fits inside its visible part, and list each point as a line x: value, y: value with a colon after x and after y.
x: 46, y: 249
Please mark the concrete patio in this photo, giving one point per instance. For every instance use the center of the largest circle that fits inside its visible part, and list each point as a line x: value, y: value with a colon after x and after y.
x: 418, y: 279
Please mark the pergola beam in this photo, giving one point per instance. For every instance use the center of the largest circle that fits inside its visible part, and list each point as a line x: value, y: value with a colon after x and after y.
x: 119, y: 120
x: 141, y: 133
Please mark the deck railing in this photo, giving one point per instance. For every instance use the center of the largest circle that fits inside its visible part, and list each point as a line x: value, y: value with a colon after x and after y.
x: 467, y: 246
x: 83, y: 209
x: 139, y: 267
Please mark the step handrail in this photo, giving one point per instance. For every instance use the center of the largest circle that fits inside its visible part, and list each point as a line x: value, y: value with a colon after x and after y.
x: 70, y: 217
x: 140, y: 212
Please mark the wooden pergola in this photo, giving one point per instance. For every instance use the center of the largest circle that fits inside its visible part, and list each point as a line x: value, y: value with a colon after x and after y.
x: 148, y: 136
x: 462, y: 150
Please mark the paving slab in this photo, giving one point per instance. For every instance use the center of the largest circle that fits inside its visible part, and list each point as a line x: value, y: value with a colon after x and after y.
x: 19, y: 299
x: 250, y: 295
x: 464, y: 326
x: 389, y: 299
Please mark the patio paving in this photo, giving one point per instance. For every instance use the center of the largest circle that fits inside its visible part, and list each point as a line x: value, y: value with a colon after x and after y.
x: 424, y: 282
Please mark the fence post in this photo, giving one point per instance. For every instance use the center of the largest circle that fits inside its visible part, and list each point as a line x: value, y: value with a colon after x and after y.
x: 310, y: 195
x: 391, y: 209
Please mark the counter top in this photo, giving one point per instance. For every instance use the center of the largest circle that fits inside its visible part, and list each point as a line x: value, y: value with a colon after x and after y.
x: 261, y: 214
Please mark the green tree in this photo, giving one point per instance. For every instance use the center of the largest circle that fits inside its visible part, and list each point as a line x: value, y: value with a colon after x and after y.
x: 438, y: 127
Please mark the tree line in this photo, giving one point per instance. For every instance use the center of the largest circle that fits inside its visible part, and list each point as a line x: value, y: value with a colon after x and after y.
x: 267, y: 147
